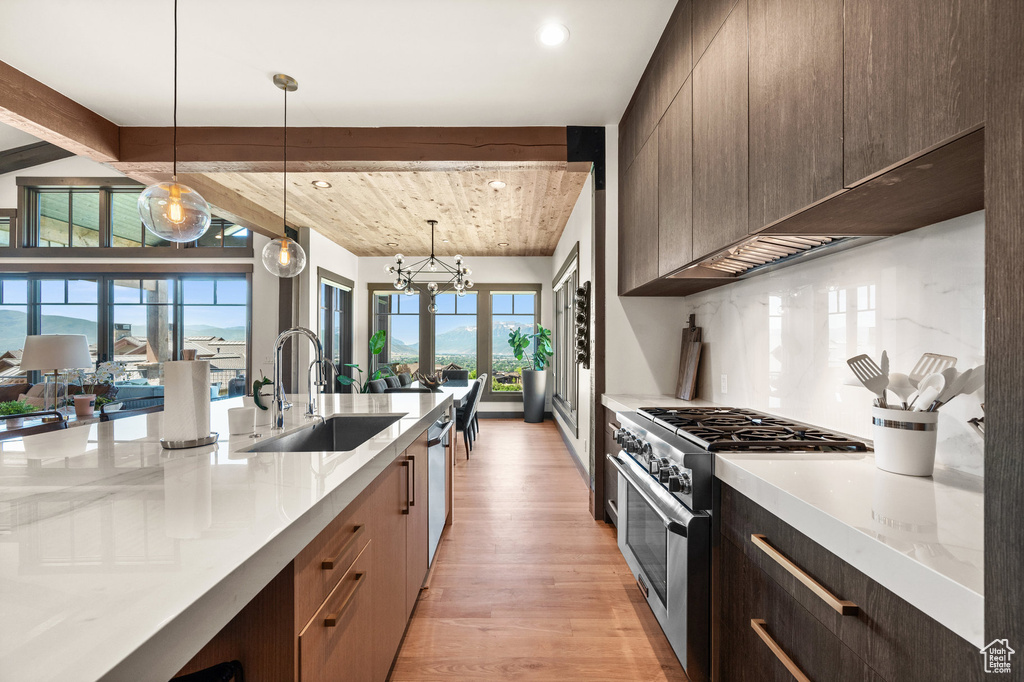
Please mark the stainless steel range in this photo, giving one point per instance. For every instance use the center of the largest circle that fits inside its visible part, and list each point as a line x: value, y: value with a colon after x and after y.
x: 666, y: 467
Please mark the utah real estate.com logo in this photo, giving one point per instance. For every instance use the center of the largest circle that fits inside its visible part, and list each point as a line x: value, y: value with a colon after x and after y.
x: 997, y: 656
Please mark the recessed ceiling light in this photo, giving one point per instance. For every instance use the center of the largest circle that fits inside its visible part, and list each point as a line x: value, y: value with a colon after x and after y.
x: 552, y: 34
x: 392, y: 243
x: 502, y: 243
x: 496, y: 184
x: 321, y: 184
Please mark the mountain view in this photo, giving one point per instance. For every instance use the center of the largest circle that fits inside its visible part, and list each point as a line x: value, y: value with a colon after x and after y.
x: 458, y: 345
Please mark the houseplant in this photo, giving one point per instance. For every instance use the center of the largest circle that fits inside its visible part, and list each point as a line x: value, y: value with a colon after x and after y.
x: 377, y: 343
x: 12, y: 407
x: 95, y: 383
x: 535, y: 380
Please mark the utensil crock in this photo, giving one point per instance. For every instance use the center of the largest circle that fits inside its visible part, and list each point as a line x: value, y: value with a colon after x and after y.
x: 905, y: 441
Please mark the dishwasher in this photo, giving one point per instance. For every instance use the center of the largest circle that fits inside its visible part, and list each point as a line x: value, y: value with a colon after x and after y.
x: 439, y: 436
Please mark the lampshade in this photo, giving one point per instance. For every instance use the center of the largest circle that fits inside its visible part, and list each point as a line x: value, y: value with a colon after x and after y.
x: 50, y: 352
x: 284, y: 257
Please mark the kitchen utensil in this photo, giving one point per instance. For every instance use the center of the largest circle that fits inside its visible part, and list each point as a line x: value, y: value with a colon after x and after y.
x: 933, y: 384
x: 976, y: 381
x: 689, y: 358
x: 870, y: 374
x: 930, y: 363
x: 899, y: 383
x: 953, y: 387
x: 884, y: 365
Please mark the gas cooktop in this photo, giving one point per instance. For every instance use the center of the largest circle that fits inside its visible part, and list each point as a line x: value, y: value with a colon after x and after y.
x: 732, y: 429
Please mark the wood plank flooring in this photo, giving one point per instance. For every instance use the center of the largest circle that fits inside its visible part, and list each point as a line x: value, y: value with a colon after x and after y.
x: 527, y: 586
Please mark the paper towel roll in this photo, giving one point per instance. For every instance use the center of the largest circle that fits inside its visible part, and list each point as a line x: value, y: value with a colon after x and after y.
x: 186, y: 400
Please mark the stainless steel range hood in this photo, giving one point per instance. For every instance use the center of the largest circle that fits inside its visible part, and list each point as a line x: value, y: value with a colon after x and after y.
x: 757, y: 253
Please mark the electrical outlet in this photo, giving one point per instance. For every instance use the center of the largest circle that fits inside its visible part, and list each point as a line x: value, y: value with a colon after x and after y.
x: 725, y: 384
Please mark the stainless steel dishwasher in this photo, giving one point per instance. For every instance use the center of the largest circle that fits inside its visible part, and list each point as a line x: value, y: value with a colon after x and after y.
x: 439, y: 435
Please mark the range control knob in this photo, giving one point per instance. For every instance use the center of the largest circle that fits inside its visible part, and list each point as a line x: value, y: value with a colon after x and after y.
x: 632, y: 444
x: 645, y: 448
x: 653, y: 465
x: 665, y: 470
x: 685, y: 483
x: 675, y: 480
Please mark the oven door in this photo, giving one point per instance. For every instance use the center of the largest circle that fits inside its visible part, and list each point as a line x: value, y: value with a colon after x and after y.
x: 668, y: 550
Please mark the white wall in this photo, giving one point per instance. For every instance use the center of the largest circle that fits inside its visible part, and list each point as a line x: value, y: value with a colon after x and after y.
x: 641, y: 333
x: 486, y: 270
x: 321, y: 252
x: 782, y: 345
x: 74, y: 166
x: 579, y: 229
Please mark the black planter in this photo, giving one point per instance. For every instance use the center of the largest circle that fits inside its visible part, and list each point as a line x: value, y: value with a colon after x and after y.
x: 535, y: 387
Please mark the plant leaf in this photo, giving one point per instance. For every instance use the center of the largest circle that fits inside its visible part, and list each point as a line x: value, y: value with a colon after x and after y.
x: 345, y: 381
x: 377, y: 341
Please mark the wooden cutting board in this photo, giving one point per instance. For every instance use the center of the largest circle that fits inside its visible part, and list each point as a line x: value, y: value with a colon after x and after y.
x: 689, y: 358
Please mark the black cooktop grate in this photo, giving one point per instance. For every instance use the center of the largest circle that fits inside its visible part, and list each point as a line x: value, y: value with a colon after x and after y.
x: 726, y: 429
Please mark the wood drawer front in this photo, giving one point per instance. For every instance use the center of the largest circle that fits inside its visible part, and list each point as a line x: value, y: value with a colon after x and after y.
x: 749, y: 594
x: 322, y: 563
x: 337, y: 643
x: 898, y: 641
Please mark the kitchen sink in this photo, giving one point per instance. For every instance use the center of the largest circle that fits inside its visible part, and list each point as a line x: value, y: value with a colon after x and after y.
x: 337, y: 434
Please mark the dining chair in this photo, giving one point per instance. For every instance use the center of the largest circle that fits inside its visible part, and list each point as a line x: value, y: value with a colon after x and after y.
x: 455, y: 374
x: 393, y: 382
x: 404, y: 379
x: 464, y: 418
x: 377, y: 386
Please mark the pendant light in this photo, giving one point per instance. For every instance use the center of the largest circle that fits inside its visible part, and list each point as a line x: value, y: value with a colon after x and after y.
x: 170, y: 210
x: 454, y: 278
x: 284, y: 256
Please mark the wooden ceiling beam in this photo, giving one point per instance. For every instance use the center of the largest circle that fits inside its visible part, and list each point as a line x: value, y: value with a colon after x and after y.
x: 259, y: 150
x: 28, y: 105
x: 31, y: 155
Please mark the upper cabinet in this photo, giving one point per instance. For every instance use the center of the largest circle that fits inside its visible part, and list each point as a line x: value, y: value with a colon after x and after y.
x: 720, y: 137
x: 796, y: 106
x: 708, y: 17
x: 638, y: 220
x: 675, y: 183
x: 915, y: 78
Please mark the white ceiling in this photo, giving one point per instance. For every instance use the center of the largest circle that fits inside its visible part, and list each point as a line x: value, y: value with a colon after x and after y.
x: 12, y: 137
x: 358, y: 62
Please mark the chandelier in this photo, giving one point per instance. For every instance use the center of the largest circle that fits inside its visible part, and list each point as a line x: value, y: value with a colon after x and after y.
x: 452, y: 278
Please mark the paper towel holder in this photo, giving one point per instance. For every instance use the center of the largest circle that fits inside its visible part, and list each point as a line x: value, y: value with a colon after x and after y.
x: 185, y: 444
x: 188, y: 353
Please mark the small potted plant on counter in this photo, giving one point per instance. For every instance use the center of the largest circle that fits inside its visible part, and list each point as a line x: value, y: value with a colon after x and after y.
x: 95, y: 384
x: 12, y: 408
x: 535, y: 380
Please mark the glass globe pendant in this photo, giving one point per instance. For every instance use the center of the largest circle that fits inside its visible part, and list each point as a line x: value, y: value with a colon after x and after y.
x: 170, y: 210
x: 284, y: 257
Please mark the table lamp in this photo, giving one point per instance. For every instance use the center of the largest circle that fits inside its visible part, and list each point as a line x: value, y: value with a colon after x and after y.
x: 53, y: 354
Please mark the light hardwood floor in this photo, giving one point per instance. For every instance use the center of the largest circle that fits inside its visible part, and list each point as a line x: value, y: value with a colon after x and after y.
x: 527, y: 586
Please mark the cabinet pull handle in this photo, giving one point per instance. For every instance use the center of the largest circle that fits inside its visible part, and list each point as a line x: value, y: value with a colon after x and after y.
x: 329, y: 564
x: 846, y: 608
x: 762, y: 632
x: 412, y: 480
x: 332, y: 618
x: 408, y: 500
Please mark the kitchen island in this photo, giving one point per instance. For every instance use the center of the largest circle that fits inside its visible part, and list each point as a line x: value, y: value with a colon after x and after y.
x: 121, y: 560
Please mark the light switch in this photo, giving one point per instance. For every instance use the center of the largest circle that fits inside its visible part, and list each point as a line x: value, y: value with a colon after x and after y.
x: 725, y: 384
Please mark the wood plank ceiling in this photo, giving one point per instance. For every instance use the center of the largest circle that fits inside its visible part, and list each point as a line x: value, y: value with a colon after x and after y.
x: 363, y: 212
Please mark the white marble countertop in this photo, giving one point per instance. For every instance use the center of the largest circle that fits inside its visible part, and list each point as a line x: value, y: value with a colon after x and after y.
x: 920, y: 537
x: 119, y: 560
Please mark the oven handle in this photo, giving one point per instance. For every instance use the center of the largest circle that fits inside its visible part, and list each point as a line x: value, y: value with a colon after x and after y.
x: 676, y: 526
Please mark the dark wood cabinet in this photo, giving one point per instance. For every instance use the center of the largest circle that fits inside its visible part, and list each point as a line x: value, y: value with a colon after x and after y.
x: 675, y: 183
x: 417, y: 553
x: 638, y: 226
x: 673, y: 58
x: 893, y: 639
x: 914, y: 78
x: 708, y: 17
x: 720, y: 138
x: 611, y: 474
x: 796, y: 106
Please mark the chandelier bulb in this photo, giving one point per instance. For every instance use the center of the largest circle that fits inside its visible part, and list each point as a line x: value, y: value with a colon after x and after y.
x: 432, y: 308
x: 409, y: 291
x: 390, y: 269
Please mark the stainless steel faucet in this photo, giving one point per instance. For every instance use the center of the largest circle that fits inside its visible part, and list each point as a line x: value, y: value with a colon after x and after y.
x: 279, y: 402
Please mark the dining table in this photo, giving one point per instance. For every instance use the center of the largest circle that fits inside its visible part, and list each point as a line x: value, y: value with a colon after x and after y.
x: 458, y: 389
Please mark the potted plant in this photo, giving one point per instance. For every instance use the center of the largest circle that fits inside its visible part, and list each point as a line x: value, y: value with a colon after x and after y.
x: 535, y: 380
x: 15, y: 407
x: 377, y: 343
x: 262, y: 414
x: 93, y: 384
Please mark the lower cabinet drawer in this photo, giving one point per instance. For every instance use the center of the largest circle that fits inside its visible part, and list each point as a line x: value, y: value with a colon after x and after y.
x: 895, y: 639
x: 321, y: 564
x: 766, y: 635
x: 337, y: 644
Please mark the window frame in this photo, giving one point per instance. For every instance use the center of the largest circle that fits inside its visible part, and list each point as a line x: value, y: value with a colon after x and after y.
x: 13, y: 233
x: 27, y: 233
x: 337, y: 283
x: 565, y: 369
x: 484, y: 321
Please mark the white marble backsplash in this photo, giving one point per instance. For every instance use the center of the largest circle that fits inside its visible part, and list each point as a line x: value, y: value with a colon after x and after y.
x: 782, y: 338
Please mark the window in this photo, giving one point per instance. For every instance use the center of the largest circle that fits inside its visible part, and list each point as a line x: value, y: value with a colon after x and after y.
x: 469, y: 331
x: 336, y: 322
x: 139, y: 322
x: 399, y: 315
x: 565, y: 369
x: 455, y: 332
x: 6, y: 226
x: 510, y: 311
x: 104, y: 215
